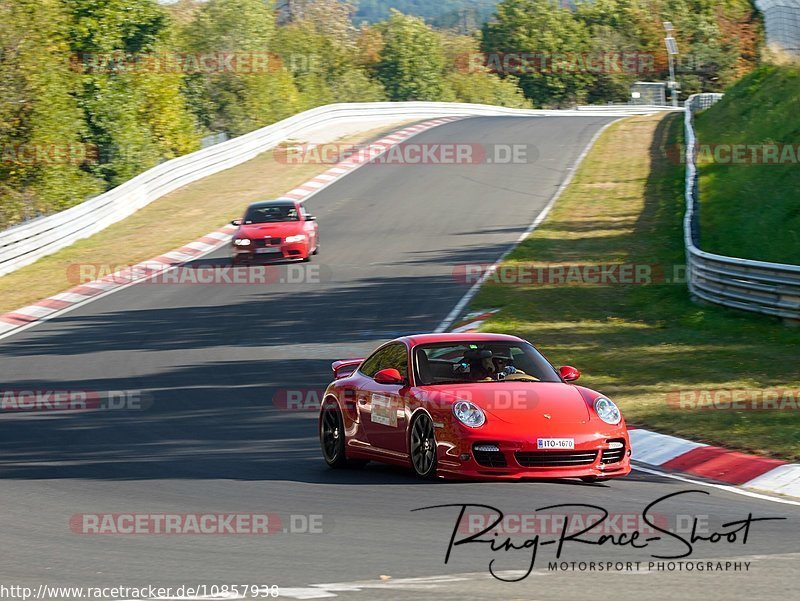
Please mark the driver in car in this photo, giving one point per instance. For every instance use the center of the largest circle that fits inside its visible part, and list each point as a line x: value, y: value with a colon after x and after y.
x: 482, y: 365
x: 477, y: 365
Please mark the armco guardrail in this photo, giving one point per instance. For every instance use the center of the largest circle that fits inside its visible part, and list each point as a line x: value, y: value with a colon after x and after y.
x: 758, y: 286
x: 25, y: 243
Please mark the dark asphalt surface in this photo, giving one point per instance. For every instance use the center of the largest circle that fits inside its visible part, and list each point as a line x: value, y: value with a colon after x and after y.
x: 211, y: 359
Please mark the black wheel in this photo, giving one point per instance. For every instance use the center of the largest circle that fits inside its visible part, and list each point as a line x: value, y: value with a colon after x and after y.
x: 316, y: 249
x: 331, y: 435
x: 423, y: 447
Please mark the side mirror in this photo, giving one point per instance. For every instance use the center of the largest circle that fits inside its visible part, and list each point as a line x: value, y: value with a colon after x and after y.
x: 236, y: 222
x: 310, y: 218
x: 569, y: 374
x: 389, y: 376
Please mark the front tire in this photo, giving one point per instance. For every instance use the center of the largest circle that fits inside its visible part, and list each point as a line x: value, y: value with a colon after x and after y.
x: 423, y: 447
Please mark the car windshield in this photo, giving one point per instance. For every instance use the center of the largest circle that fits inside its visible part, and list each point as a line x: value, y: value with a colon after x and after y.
x: 466, y: 362
x: 271, y: 213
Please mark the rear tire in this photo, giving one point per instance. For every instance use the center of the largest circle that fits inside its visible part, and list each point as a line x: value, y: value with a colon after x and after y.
x: 423, y: 447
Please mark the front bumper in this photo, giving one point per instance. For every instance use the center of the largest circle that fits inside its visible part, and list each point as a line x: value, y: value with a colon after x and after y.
x: 281, y: 252
x: 519, y: 458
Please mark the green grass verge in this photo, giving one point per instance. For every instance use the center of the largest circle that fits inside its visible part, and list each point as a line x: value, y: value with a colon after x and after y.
x: 753, y: 210
x: 639, y: 343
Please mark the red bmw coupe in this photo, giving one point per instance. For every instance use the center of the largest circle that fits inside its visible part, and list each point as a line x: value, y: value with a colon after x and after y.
x: 275, y: 229
x: 484, y: 406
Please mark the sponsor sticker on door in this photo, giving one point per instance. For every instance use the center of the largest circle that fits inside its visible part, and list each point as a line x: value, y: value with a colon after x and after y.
x: 382, y: 410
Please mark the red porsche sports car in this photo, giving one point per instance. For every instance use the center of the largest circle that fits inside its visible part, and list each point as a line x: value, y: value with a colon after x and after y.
x: 275, y: 229
x: 485, y: 406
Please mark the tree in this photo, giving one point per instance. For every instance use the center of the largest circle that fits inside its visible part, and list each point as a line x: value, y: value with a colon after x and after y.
x: 41, y: 130
x: 473, y: 82
x: 552, y: 44
x: 412, y: 60
x: 135, y: 116
x: 619, y: 41
x: 332, y: 19
x: 718, y: 40
x: 320, y: 48
x: 239, y: 100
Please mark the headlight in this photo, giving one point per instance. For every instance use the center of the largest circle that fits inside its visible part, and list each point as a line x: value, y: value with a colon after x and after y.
x: 241, y: 242
x: 469, y: 414
x: 300, y: 238
x: 607, y: 411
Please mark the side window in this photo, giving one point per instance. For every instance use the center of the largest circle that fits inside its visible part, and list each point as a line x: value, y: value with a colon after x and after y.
x: 397, y: 357
x: 392, y: 356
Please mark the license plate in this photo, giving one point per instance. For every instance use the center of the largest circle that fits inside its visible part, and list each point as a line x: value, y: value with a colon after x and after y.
x: 266, y: 251
x: 555, y: 443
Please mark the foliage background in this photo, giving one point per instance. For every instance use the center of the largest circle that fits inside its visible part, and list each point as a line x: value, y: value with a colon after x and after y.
x: 66, y: 79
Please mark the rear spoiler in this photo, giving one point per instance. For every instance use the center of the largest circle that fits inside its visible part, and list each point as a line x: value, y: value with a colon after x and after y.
x: 342, y: 369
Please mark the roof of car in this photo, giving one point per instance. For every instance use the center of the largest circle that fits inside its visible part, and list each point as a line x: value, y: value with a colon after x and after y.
x: 416, y: 339
x: 273, y: 203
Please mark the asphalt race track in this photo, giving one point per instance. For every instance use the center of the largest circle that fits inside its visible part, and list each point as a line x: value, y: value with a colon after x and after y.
x: 210, y: 359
